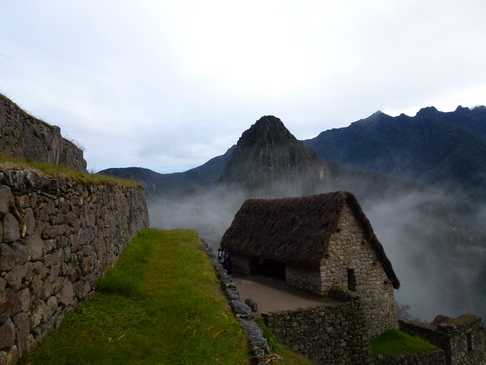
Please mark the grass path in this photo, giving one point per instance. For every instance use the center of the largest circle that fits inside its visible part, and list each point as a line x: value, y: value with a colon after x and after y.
x: 160, y: 304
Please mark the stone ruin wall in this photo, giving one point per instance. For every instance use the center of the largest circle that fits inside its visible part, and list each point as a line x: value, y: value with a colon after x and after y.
x: 430, y: 358
x: 28, y: 138
x: 463, y: 339
x: 326, y: 334
x: 57, y: 237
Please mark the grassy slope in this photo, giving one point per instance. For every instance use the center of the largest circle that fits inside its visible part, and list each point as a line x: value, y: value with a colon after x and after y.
x: 160, y: 304
x: 394, y: 342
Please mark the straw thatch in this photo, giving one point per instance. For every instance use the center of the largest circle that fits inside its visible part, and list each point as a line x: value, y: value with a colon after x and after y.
x: 296, y: 230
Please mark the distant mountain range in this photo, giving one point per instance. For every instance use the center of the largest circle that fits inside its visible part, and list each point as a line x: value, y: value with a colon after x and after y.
x: 443, y: 151
x: 420, y: 180
x: 440, y: 151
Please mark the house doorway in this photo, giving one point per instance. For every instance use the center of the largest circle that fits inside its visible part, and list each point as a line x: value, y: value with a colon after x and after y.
x: 270, y: 268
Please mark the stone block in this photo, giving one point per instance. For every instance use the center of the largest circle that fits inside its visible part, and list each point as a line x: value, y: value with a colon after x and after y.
x: 24, y: 296
x: 22, y: 324
x: 47, y: 290
x: 10, y: 304
x: 7, y: 334
x: 66, y: 295
x: 29, y: 221
x: 37, y: 313
x: 21, y: 253
x: 6, y: 199
x: 11, y: 228
x: 15, y: 277
x: 7, y: 257
x: 35, y: 245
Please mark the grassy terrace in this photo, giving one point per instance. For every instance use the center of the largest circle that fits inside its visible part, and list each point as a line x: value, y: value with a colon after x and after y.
x: 57, y: 172
x: 160, y: 304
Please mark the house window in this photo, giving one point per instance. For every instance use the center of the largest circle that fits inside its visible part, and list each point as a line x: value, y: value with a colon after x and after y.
x: 469, y: 342
x: 351, y: 280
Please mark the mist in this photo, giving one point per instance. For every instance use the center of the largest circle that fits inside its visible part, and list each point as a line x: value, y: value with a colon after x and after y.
x: 209, y: 212
x: 435, y: 257
x: 435, y: 254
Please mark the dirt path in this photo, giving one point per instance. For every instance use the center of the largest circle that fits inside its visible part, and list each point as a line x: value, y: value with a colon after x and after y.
x: 273, y: 295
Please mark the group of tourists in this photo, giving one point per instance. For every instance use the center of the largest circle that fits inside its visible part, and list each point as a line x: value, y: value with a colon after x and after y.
x: 226, y: 259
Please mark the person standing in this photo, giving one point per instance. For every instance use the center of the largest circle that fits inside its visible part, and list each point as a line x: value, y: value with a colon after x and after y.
x: 221, y: 256
x: 228, y: 263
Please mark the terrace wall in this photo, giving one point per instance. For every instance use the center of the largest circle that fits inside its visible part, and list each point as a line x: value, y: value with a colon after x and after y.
x: 57, y: 237
x: 463, y: 339
x: 326, y: 334
x: 31, y: 139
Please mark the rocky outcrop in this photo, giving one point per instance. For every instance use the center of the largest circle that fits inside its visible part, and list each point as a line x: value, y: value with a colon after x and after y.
x: 57, y: 237
x: 31, y: 139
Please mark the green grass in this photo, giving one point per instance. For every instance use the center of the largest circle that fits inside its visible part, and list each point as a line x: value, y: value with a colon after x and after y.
x: 160, y: 304
x: 290, y: 357
x: 394, y: 342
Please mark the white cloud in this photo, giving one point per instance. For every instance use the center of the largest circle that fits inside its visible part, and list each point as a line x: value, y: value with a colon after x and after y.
x: 136, y: 81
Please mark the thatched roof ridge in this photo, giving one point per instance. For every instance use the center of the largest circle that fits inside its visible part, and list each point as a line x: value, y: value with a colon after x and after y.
x: 296, y: 230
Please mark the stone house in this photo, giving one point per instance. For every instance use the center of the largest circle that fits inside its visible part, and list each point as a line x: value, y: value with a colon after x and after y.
x: 316, y: 243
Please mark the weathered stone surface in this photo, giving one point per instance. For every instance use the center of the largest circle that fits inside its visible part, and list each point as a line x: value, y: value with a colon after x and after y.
x: 15, y: 276
x: 66, y: 295
x: 38, y: 310
x: 6, y: 199
x: 241, y: 309
x: 327, y: 334
x: 29, y: 138
x: 10, y: 304
x: 58, y: 248
x: 7, y: 257
x: 21, y: 253
x: 7, y: 334
x: 22, y: 325
x: 24, y: 296
x: 11, y: 228
x: 35, y: 245
x: 255, y: 334
x: 29, y: 222
x: 252, y: 304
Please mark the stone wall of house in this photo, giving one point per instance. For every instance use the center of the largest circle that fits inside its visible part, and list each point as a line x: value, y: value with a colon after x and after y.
x: 429, y: 358
x: 310, y: 280
x: 56, y: 238
x: 28, y: 138
x: 326, y: 334
x: 463, y: 339
x: 349, y: 250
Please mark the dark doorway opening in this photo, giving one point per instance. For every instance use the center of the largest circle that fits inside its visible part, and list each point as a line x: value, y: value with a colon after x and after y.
x: 270, y: 268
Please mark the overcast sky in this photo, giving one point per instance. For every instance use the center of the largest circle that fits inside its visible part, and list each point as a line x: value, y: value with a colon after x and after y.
x: 167, y: 85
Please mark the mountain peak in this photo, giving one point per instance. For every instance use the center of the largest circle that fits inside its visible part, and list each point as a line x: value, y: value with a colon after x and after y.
x: 268, y: 155
x: 428, y: 112
x: 268, y: 130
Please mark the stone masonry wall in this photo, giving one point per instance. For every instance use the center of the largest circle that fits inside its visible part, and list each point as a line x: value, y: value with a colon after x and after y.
x: 462, y: 339
x: 28, y: 138
x: 326, y: 334
x: 429, y: 358
x: 348, y: 249
x: 56, y: 238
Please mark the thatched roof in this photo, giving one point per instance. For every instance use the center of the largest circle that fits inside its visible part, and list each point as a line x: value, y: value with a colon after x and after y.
x: 296, y: 230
